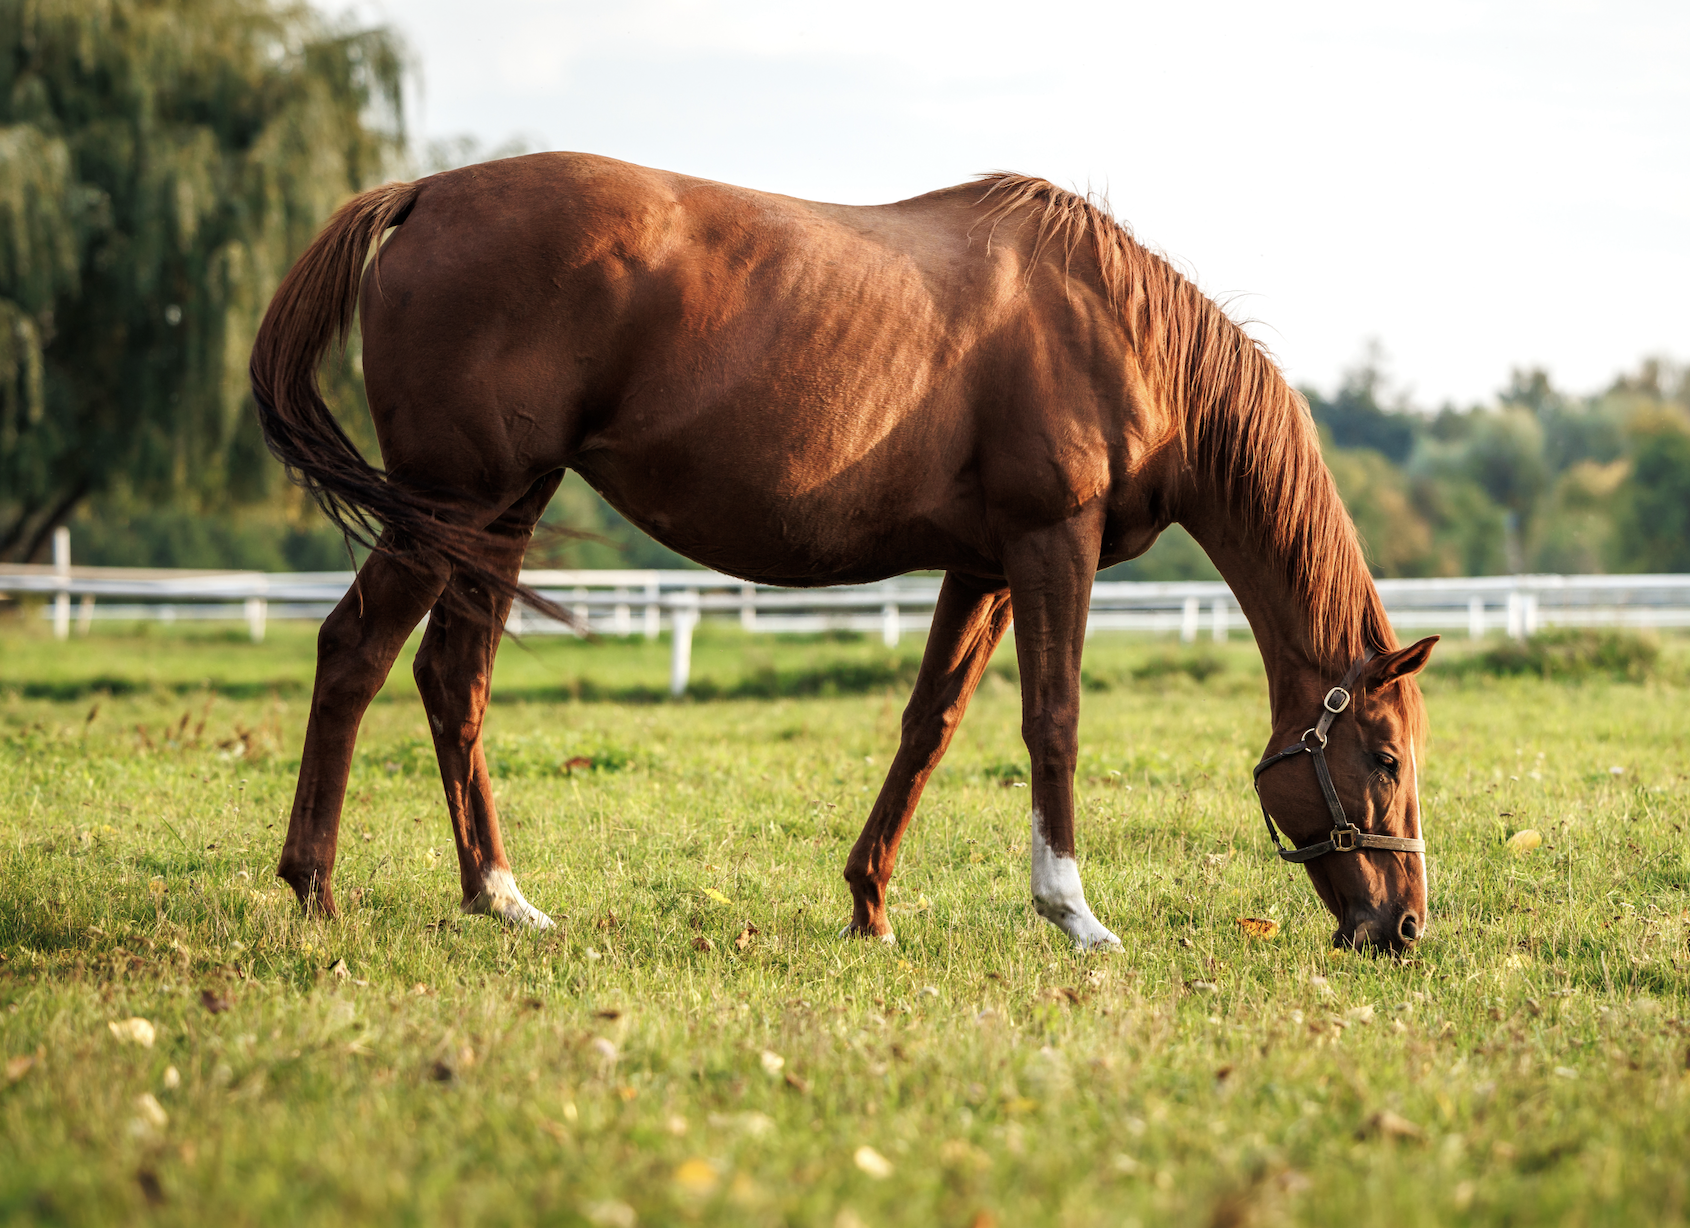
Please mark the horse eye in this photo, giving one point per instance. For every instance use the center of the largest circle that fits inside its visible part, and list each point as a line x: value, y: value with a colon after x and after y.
x: 1387, y: 762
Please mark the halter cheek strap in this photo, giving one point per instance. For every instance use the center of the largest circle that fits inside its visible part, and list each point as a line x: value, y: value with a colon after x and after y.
x: 1345, y: 837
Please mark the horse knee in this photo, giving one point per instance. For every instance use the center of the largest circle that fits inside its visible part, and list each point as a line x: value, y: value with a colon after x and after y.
x: 450, y: 698
x: 349, y: 671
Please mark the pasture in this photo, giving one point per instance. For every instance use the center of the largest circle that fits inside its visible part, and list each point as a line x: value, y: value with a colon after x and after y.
x: 694, y: 1045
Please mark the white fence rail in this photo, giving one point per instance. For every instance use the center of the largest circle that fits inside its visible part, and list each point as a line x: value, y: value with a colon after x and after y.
x: 648, y: 602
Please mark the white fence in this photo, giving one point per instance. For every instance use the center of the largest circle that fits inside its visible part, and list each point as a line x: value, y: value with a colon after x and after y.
x: 648, y: 602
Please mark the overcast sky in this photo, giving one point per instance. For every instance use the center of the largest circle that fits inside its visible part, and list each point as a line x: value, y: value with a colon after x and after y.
x: 1477, y: 186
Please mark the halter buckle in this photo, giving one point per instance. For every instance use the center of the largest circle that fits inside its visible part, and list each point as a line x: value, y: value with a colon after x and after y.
x: 1337, y: 699
x: 1344, y: 839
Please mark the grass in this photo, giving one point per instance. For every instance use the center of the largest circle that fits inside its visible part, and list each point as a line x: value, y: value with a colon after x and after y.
x: 668, y: 1057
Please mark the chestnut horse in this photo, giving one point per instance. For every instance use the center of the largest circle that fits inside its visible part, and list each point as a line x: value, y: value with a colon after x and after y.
x: 994, y: 380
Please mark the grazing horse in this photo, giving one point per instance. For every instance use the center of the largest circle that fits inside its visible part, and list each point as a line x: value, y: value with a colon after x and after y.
x: 994, y: 380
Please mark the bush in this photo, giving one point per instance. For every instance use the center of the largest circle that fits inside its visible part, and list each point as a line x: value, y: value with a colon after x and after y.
x: 1568, y: 654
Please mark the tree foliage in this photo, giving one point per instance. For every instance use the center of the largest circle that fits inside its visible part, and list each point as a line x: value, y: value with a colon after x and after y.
x: 161, y: 163
x: 1539, y: 481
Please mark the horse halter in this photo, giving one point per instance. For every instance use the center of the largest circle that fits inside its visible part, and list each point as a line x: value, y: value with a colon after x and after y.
x: 1346, y: 837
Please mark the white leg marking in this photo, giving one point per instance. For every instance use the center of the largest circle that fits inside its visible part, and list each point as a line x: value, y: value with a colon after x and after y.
x: 500, y: 897
x: 1060, y: 899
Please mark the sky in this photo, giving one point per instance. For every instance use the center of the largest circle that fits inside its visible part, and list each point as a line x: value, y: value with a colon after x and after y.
x: 1471, y: 187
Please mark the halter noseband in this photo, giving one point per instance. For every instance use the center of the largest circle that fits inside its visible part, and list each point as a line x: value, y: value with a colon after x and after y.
x: 1346, y: 837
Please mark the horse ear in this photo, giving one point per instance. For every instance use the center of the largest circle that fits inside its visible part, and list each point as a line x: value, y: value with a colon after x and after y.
x: 1403, y: 663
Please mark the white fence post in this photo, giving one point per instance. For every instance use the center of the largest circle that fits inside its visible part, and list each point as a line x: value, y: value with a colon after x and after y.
x: 621, y: 618
x: 61, y: 571
x: 889, y: 624
x: 1189, y: 615
x: 1516, y: 615
x: 1220, y: 612
x: 258, y: 610
x: 1528, y: 614
x: 683, y: 619
x: 85, y: 614
x: 748, y: 607
x: 1476, y: 618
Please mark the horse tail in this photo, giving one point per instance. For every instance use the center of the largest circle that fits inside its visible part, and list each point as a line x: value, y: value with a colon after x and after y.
x: 312, y: 310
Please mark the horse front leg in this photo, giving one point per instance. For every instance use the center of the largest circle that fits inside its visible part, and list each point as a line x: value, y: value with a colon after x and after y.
x: 355, y: 650
x: 968, y: 622
x: 1050, y: 579
x: 454, y: 673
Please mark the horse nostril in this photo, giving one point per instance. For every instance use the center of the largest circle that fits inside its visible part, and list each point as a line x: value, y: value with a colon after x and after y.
x: 1408, y: 929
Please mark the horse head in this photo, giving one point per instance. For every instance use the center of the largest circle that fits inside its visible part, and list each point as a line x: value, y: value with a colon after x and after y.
x: 1353, y: 811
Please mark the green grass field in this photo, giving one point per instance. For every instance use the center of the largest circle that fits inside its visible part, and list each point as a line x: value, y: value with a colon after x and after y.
x: 694, y: 1045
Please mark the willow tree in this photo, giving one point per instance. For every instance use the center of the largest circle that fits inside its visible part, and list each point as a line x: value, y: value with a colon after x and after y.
x: 161, y: 163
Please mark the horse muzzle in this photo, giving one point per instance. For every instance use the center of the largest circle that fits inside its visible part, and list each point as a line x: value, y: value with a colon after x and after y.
x: 1380, y: 932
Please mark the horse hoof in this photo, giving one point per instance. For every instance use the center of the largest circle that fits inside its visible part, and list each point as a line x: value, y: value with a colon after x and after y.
x: 500, y: 897
x: 851, y: 931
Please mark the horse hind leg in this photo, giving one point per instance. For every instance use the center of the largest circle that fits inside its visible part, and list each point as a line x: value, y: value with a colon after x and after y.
x: 968, y: 623
x: 454, y: 673
x: 356, y: 648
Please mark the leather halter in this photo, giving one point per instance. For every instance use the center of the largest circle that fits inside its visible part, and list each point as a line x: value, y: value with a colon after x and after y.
x: 1345, y: 837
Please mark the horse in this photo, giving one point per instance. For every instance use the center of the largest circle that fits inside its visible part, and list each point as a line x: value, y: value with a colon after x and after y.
x: 995, y: 380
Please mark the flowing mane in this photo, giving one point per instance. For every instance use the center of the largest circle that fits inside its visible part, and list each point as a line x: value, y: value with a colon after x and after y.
x: 1242, y: 423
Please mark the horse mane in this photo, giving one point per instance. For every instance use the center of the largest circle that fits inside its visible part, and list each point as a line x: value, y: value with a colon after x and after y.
x: 1241, y: 423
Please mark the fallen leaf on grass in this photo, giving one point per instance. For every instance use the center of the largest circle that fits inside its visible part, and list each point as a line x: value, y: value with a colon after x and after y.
x: 213, y: 1002
x: 696, y: 1176
x: 133, y: 1031
x: 743, y: 939
x: 18, y: 1067
x: 701, y: 943
x: 797, y: 1083
x: 1523, y: 842
x: 713, y: 894
x: 440, y: 1072
x: 872, y: 1162
x: 339, y: 970
x: 1258, y: 927
x: 1203, y: 986
x: 151, y: 1111
x: 772, y: 1062
x: 1386, y: 1124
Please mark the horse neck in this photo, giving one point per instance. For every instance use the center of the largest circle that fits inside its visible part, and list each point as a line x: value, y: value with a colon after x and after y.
x: 1298, y: 671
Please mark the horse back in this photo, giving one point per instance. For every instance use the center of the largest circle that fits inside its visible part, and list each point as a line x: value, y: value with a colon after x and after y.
x: 844, y: 383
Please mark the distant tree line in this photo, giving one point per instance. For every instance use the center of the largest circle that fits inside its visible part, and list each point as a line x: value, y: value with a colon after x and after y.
x: 163, y: 161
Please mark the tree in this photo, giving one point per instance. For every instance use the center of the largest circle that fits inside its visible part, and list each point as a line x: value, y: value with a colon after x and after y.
x: 161, y: 163
x: 1354, y: 418
x: 1653, y: 523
